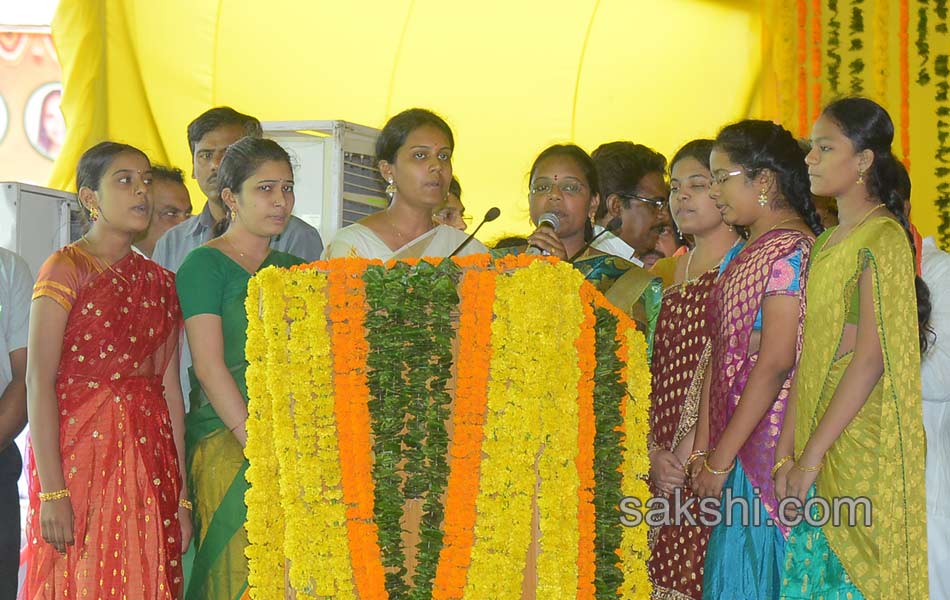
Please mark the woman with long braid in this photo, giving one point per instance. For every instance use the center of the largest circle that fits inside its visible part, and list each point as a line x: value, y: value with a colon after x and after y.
x: 857, y: 428
x: 760, y: 183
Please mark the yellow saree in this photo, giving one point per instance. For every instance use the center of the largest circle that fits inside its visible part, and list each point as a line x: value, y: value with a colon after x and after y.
x: 880, y: 455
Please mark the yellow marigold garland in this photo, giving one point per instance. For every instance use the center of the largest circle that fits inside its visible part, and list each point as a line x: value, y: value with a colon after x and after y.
x: 633, y: 547
x: 558, y: 498
x: 265, y: 518
x: 316, y: 516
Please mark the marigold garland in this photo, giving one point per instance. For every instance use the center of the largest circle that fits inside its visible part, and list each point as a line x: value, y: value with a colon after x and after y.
x: 511, y: 442
x: 801, y: 59
x: 902, y: 37
x: 634, y: 547
x: 351, y: 396
x: 477, y: 294
x: 879, y: 50
x: 265, y: 519
x: 524, y: 423
x: 558, y: 496
x: 586, y: 435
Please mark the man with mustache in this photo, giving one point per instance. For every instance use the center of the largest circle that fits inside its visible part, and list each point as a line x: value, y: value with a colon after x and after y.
x: 209, y: 136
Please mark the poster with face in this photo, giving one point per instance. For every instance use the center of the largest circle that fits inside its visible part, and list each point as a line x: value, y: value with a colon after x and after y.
x: 43, y: 121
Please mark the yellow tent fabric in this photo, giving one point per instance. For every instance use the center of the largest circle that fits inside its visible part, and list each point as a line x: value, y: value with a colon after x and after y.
x: 510, y: 77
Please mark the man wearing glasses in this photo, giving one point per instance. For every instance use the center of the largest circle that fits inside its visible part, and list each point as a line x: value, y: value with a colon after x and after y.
x: 632, y: 187
x: 171, y: 204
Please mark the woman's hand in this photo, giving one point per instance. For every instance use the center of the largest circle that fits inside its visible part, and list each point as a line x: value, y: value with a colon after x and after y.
x: 545, y: 239
x: 666, y: 471
x: 797, y: 484
x: 706, y: 484
x: 781, y: 479
x: 187, y: 528
x: 56, y: 523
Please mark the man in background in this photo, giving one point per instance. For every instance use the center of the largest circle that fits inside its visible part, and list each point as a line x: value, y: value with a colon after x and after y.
x: 633, y: 187
x: 171, y: 204
x: 16, y: 289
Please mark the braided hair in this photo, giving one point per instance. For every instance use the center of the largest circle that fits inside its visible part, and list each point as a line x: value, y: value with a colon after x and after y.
x: 759, y: 145
x: 869, y: 127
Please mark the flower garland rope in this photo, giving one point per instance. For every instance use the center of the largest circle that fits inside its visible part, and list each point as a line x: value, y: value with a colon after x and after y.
x: 351, y: 396
x: 816, y: 41
x: 265, y: 518
x: 801, y: 54
x: 922, y: 44
x: 942, y: 155
x: 834, y: 48
x: 586, y: 436
x: 856, y: 28
x: 477, y: 294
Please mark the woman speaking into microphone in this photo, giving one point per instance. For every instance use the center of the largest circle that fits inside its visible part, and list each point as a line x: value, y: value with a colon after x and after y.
x: 563, y: 198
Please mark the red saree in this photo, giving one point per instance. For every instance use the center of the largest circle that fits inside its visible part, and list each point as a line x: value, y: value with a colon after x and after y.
x: 682, y: 332
x: 118, y: 452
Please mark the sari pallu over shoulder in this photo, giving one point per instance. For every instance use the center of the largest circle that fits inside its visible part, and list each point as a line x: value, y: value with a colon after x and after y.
x: 116, y: 442
x: 734, y: 303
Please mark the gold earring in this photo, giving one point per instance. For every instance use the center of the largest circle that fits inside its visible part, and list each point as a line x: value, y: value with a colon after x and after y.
x: 391, y: 188
x: 232, y: 215
x: 860, y: 180
x: 94, y: 214
x: 763, y: 197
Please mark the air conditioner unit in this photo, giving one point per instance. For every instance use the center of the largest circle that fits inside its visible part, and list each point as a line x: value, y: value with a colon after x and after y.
x: 336, y: 179
x: 37, y: 221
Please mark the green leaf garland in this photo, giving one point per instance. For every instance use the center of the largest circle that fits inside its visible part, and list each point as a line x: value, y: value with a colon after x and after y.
x: 834, y: 46
x: 923, y: 47
x: 856, y: 28
x: 942, y: 155
x: 609, y: 393
x: 410, y: 334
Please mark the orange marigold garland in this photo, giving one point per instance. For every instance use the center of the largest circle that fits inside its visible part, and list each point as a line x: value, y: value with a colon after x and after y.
x: 477, y: 294
x: 801, y: 58
x: 586, y: 352
x: 347, y: 309
x: 816, y: 41
x: 902, y: 36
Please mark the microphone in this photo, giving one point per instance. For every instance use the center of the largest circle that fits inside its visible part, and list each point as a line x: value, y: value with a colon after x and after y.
x: 613, y: 225
x: 492, y: 214
x: 545, y: 220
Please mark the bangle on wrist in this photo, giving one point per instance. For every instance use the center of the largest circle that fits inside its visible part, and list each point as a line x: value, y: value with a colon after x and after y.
x: 779, y: 463
x: 185, y: 503
x: 47, y: 496
x: 694, y: 457
x: 817, y: 467
x: 717, y: 471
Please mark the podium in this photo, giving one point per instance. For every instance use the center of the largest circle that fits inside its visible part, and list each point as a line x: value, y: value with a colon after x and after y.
x: 444, y: 428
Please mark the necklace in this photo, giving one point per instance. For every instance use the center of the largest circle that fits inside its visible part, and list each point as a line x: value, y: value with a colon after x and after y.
x: 238, y: 250
x: 107, y: 265
x: 856, y: 225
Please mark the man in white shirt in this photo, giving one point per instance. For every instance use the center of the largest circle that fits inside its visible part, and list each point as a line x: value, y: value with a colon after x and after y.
x: 16, y: 288
x: 935, y: 384
x: 633, y: 187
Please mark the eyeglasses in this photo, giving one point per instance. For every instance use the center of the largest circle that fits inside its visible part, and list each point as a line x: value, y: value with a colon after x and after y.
x: 721, y: 178
x: 545, y: 186
x: 655, y: 202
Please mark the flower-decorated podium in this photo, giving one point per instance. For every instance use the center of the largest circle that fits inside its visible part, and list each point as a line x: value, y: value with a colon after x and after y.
x: 462, y: 428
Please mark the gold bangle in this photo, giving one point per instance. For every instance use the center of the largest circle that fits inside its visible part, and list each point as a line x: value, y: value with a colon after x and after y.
x: 810, y: 469
x: 47, y: 496
x: 716, y: 471
x: 779, y: 463
x: 185, y: 503
x: 694, y: 457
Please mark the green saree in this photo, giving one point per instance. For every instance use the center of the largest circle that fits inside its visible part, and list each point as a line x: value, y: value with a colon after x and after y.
x: 209, y: 282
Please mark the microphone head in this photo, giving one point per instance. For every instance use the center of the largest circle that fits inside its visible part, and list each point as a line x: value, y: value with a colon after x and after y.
x: 614, y: 224
x: 549, y: 219
x: 492, y: 214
